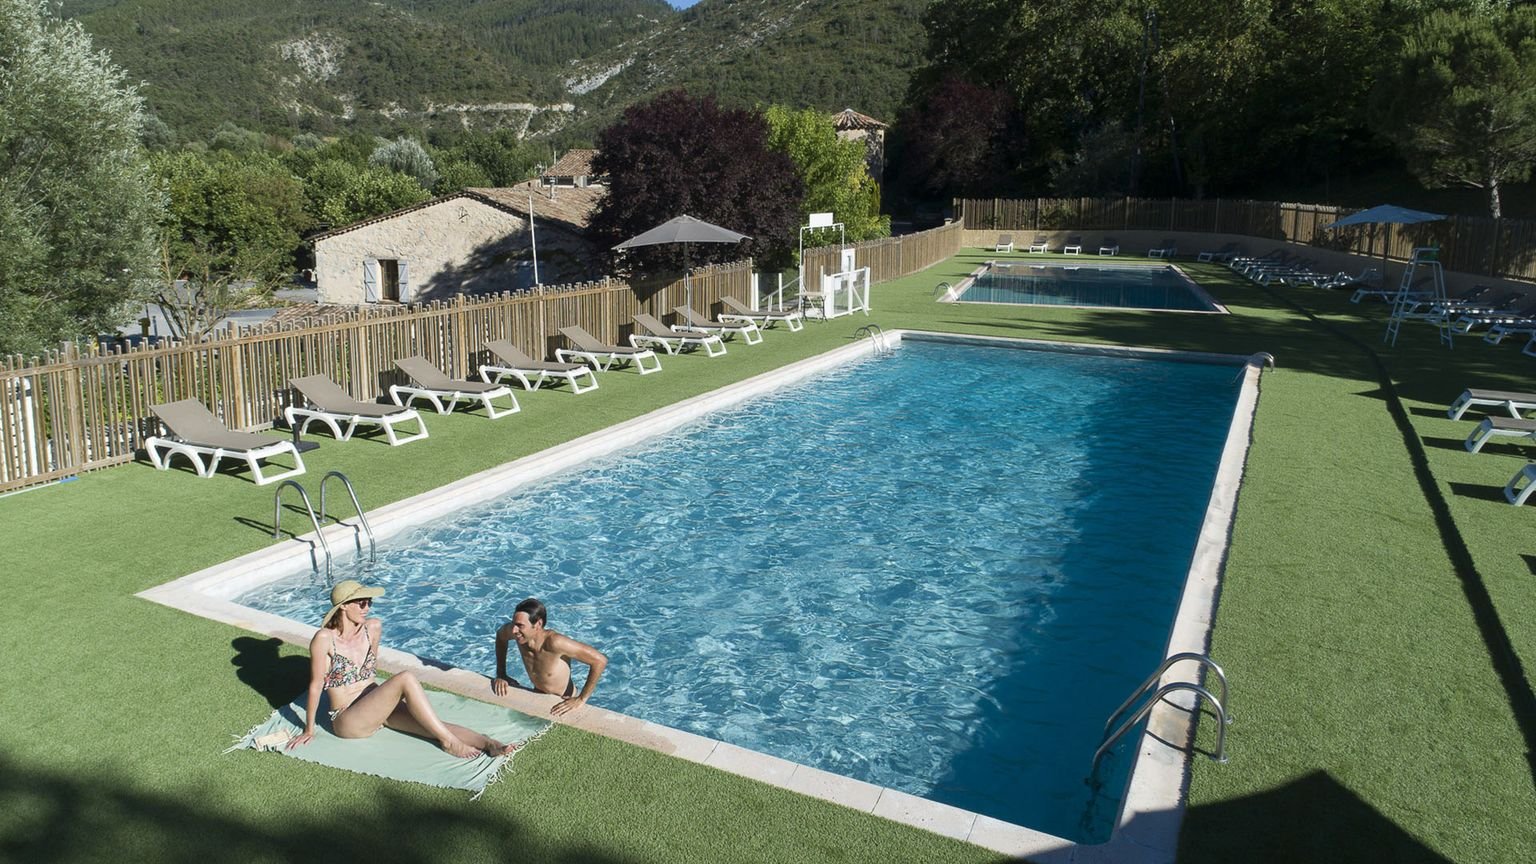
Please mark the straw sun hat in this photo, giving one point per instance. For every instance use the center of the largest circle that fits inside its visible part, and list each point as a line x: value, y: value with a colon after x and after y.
x: 345, y: 592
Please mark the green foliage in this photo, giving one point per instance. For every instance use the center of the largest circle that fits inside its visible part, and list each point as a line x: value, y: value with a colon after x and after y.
x: 834, y: 171
x: 407, y: 156
x: 342, y: 193
x: 1460, y: 100
x: 77, y: 205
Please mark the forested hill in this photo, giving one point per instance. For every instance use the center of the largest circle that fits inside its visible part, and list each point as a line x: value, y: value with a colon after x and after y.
x: 830, y: 54
x: 327, y: 65
x: 392, y: 66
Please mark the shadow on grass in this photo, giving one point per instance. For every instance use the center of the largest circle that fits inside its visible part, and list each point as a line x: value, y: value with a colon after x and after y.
x: 1477, y: 491
x: 1313, y: 818
x: 54, y: 817
x: 260, y: 667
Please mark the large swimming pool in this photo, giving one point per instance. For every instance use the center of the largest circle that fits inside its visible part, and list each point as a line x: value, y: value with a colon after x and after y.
x: 1115, y: 286
x: 938, y: 571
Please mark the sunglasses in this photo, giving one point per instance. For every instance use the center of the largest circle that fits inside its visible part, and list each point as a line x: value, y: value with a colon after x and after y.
x: 364, y: 602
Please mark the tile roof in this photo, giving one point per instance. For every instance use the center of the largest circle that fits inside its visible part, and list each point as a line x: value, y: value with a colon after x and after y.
x: 575, y: 163
x: 570, y: 207
x: 849, y: 119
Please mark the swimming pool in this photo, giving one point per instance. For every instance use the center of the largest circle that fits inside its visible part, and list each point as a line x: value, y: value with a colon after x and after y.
x: 1161, y: 287
x: 957, y: 512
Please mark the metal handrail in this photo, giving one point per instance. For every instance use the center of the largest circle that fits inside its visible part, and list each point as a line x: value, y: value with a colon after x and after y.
x: 876, y: 335
x: 352, y: 493
x: 942, y: 288
x: 1146, y: 685
x: 277, y: 519
x: 1221, y: 715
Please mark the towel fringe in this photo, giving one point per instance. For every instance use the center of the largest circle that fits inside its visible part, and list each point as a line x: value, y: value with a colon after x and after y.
x: 503, y: 762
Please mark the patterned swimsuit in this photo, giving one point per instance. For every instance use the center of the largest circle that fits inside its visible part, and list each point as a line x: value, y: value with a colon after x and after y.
x: 344, y: 671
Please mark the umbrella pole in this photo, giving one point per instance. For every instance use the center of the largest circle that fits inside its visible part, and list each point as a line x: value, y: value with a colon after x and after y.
x: 687, y: 280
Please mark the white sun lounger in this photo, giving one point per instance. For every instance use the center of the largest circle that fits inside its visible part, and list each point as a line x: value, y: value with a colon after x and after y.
x: 1511, y: 401
x: 650, y: 331
x: 1517, y: 494
x: 1004, y: 243
x: 511, y: 362
x: 1040, y: 245
x: 602, y: 356
x: 445, y: 393
x: 193, y: 432
x: 1166, y: 249
x: 1074, y: 245
x: 333, y: 406
x: 735, y: 310
x: 1109, y: 246
x: 748, y: 330
x: 1503, y: 427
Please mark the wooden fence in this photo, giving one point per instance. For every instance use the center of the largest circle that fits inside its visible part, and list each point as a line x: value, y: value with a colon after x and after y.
x: 75, y: 410
x: 1501, y: 248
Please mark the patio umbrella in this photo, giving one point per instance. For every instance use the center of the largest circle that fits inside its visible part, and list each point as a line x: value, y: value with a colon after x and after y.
x: 685, y: 230
x: 1388, y: 215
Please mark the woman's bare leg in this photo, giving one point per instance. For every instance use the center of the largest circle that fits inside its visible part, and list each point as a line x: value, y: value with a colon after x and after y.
x: 481, y: 742
x: 399, y: 703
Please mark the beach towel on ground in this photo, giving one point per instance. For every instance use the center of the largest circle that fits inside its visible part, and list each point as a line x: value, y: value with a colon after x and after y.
x: 398, y: 756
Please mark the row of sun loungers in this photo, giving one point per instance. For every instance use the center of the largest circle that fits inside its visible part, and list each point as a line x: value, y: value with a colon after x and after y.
x: 1515, y: 404
x: 1041, y: 245
x: 196, y: 434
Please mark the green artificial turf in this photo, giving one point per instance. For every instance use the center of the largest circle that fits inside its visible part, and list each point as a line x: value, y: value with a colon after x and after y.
x: 1376, y: 602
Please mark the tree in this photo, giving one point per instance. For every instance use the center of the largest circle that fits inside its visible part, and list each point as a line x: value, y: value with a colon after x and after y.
x: 834, y: 171
x: 77, y: 204
x: 231, y: 229
x: 407, y: 156
x: 341, y: 193
x: 1460, y: 103
x: 678, y: 154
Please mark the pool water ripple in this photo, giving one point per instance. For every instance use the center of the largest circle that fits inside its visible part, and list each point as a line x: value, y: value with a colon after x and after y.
x: 937, y: 572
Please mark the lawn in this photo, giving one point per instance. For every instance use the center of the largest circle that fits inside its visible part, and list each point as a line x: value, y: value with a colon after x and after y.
x: 1376, y: 605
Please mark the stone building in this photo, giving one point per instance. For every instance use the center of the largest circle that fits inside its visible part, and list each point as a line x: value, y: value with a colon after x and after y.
x: 475, y: 241
x: 853, y: 126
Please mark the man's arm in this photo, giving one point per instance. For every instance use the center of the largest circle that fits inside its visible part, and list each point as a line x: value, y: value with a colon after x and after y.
x: 596, y: 662
x: 499, y: 684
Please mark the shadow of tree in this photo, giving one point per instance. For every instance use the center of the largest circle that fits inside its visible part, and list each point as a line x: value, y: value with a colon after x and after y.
x: 55, y: 817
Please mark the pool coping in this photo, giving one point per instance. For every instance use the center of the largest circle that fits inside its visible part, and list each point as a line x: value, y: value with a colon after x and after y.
x: 1148, y: 826
x: 953, y: 294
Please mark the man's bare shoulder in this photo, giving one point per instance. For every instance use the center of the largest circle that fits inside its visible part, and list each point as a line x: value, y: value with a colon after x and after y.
x: 504, y: 631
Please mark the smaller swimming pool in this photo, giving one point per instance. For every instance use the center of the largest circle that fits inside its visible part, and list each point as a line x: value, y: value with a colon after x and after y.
x: 1117, y: 287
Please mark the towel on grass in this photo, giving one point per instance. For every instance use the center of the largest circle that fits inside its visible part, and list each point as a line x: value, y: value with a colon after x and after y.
x: 398, y: 756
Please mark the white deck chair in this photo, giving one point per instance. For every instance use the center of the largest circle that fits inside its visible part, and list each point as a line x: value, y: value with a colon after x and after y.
x: 1511, y: 401
x: 650, y: 331
x: 1166, y: 249
x: 1517, y: 494
x: 602, y: 356
x: 1040, y: 245
x: 193, y: 432
x: 1503, y: 427
x: 1074, y: 245
x: 1004, y: 243
x: 509, y: 361
x: 333, y: 406
x: 1109, y: 246
x: 748, y: 330
x: 735, y: 310
x: 433, y: 385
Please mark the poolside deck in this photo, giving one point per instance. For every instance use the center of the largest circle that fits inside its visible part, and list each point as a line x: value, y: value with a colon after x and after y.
x: 1377, y: 606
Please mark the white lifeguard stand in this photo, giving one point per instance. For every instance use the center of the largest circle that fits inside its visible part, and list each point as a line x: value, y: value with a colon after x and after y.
x: 1420, y: 303
x: 832, y: 295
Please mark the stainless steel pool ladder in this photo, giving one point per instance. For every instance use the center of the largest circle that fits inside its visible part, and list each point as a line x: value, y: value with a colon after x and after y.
x: 876, y: 336
x: 277, y: 519
x: 1220, y: 705
x: 942, y: 288
x: 361, y: 517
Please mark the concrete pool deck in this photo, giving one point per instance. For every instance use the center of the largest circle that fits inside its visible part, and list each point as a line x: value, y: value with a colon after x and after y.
x: 1148, y: 827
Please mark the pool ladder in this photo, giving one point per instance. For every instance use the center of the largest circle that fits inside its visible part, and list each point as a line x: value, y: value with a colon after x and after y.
x: 318, y: 521
x: 877, y: 337
x: 1220, y: 705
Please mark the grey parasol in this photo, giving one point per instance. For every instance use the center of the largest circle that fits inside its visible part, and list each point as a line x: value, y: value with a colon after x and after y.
x: 685, y: 230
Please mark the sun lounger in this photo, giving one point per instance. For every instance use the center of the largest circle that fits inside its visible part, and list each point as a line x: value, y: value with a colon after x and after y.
x: 649, y: 331
x: 749, y: 331
x: 735, y: 310
x: 1166, y: 249
x: 1511, y: 401
x: 1074, y: 245
x: 1225, y: 253
x: 511, y: 362
x: 1469, y: 320
x: 1109, y: 246
x: 603, y: 356
x: 333, y: 406
x: 1040, y: 245
x: 193, y: 431
x: 1517, y: 494
x: 1004, y: 243
x: 1503, y: 427
x: 431, y: 384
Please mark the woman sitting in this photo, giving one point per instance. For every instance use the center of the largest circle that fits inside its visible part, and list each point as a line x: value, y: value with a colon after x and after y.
x: 343, y: 655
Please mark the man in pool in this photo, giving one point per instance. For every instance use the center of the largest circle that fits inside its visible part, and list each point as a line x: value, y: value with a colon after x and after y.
x: 547, y: 656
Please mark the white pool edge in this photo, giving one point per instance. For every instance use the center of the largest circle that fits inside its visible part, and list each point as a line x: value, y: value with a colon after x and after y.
x: 955, y: 291
x: 1148, y: 826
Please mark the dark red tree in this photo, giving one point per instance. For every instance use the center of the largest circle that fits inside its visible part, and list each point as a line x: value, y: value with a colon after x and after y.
x: 678, y: 154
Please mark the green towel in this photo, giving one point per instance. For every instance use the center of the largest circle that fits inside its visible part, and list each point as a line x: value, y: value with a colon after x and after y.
x: 398, y: 756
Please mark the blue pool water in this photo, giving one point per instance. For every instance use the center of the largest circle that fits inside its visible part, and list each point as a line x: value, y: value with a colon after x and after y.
x: 938, y: 572
x: 1155, y: 287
